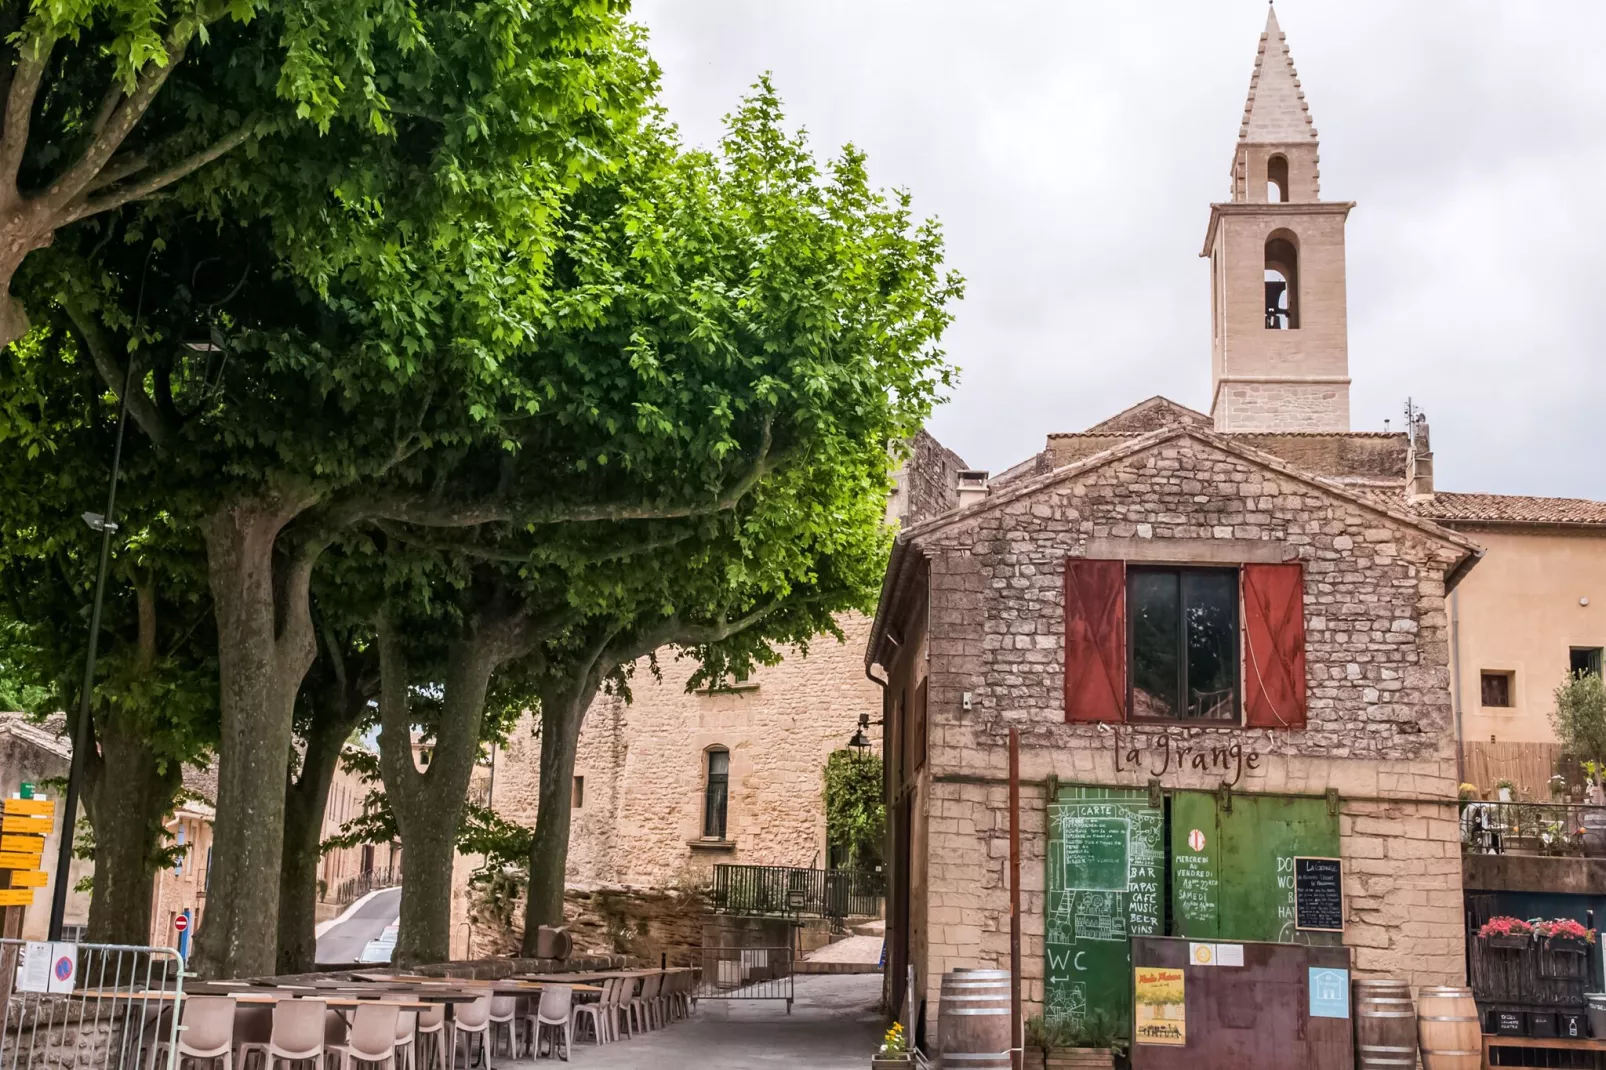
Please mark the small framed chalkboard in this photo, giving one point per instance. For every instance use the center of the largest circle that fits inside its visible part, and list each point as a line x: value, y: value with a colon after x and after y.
x: 1319, y: 895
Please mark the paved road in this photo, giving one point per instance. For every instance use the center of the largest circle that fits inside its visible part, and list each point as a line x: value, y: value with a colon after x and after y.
x: 834, y: 1025
x: 344, y: 941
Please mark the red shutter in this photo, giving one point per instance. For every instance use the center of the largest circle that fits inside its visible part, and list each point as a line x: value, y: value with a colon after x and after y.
x: 1274, y: 646
x: 1095, y: 640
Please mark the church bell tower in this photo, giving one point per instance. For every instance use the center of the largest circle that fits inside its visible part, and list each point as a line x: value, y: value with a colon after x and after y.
x: 1279, y: 350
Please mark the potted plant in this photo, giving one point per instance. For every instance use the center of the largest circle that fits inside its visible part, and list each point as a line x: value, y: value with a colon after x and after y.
x: 1513, y: 934
x: 1087, y: 1043
x: 1505, y: 790
x: 1565, y: 934
x: 894, y: 1053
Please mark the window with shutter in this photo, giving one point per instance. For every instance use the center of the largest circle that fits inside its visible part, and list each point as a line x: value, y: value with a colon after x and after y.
x: 1274, y: 645
x: 1095, y: 640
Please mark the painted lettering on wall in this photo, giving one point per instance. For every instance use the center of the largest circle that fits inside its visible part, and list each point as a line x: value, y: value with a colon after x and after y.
x: 1173, y: 752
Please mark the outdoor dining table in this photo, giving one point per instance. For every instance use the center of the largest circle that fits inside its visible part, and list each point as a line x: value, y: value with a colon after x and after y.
x: 254, y: 996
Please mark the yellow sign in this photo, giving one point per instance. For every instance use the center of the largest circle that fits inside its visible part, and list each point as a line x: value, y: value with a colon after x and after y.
x: 22, y: 845
x: 1161, y: 1006
x: 31, y: 807
x: 33, y: 826
x: 16, y: 897
x: 29, y: 878
x: 16, y: 860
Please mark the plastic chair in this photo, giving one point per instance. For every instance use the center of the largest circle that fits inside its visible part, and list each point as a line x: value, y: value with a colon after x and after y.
x: 429, y: 1038
x: 598, y: 1014
x: 644, y: 1008
x: 470, y: 1020
x: 623, y: 992
x: 372, y: 1038
x: 206, y: 1031
x: 553, y: 1012
x: 253, y: 1028
x: 406, y: 1029
x: 504, y: 1015
x: 297, y: 1034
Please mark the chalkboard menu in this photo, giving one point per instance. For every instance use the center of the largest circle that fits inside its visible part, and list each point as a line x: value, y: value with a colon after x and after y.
x: 1319, y: 894
x: 1096, y: 851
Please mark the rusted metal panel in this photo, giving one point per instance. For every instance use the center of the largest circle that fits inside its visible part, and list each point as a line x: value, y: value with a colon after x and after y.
x: 1251, y: 1017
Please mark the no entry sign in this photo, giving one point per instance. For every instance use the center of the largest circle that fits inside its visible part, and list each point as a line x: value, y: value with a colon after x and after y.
x: 181, y: 922
x: 1196, y: 840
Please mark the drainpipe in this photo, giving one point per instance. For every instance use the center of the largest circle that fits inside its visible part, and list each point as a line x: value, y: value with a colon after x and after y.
x: 1455, y: 688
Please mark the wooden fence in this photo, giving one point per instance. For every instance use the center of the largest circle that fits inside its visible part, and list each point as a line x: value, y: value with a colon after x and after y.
x: 1528, y: 766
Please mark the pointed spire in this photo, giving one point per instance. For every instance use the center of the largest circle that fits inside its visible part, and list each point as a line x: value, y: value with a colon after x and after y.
x: 1276, y: 110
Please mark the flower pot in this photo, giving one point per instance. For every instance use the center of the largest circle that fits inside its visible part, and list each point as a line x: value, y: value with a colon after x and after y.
x: 1512, y: 942
x: 890, y: 1062
x: 1080, y: 1059
x: 1570, y: 944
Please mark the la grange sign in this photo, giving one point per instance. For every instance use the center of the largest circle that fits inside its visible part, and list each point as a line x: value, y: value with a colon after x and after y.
x: 1172, y: 752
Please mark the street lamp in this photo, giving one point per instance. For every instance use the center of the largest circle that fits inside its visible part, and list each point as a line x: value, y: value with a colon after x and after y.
x: 860, y: 741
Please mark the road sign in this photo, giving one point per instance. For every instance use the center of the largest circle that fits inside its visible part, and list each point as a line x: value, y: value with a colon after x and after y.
x: 16, y: 897
x: 25, y: 789
x: 181, y: 922
x: 1196, y: 840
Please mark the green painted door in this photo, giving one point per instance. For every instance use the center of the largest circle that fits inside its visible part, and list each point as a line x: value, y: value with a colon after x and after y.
x: 1106, y: 876
x: 1233, y: 870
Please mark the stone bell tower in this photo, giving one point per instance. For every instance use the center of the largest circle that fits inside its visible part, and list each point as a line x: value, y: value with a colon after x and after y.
x: 1279, y: 350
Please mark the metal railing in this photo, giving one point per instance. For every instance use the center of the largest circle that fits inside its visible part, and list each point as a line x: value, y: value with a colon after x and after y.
x: 89, y: 1006
x: 352, y: 889
x: 787, y: 891
x: 744, y: 973
x: 1533, y: 828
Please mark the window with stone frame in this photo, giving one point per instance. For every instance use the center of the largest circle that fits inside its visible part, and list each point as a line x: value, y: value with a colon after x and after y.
x: 716, y: 793
x: 1182, y: 643
x: 1584, y: 660
x: 1497, y: 688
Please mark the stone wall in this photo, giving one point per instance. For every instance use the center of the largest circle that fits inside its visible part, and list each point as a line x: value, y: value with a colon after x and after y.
x: 644, y: 765
x: 1380, y: 729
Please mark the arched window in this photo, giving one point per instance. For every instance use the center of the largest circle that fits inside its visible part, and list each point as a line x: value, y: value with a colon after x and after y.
x: 716, y: 792
x: 1282, y: 281
x: 1277, y: 179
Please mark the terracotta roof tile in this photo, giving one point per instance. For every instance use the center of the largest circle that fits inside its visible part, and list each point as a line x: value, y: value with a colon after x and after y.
x: 1511, y: 508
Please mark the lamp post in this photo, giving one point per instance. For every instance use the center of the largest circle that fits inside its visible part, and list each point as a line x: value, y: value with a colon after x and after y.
x: 107, y: 526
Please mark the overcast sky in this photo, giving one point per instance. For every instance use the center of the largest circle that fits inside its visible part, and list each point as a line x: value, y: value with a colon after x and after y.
x: 1072, y: 149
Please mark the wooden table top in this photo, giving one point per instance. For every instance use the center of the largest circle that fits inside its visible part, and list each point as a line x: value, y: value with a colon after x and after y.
x: 266, y: 996
x: 1567, y: 1043
x: 596, y: 975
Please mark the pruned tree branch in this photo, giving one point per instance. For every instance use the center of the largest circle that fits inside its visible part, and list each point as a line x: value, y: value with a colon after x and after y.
x: 165, y: 177
x: 33, y: 56
x: 98, y: 345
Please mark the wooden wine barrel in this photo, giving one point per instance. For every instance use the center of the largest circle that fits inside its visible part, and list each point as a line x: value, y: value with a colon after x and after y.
x: 1385, y: 1026
x: 973, y: 1020
x: 1448, y: 1029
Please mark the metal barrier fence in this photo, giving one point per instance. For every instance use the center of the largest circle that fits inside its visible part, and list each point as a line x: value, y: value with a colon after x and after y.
x: 744, y: 973
x: 352, y: 889
x: 1533, y: 828
x: 789, y: 891
x: 89, y: 1006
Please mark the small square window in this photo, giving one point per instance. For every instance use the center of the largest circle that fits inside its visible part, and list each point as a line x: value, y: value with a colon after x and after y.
x: 578, y: 799
x: 1497, y: 689
x: 1584, y: 661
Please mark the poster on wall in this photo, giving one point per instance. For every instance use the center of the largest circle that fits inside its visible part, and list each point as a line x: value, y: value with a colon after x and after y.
x: 1160, y: 1006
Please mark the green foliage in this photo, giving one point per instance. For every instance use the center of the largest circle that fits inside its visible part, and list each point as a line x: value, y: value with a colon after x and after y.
x: 855, y: 811
x: 1580, y: 716
x: 1096, y: 1030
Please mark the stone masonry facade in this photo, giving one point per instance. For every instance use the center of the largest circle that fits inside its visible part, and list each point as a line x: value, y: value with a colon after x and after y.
x: 1379, y: 730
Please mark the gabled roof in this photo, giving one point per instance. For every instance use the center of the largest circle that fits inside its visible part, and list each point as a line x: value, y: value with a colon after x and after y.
x: 902, y: 559
x: 1145, y: 416
x: 1275, y: 111
x: 1451, y: 507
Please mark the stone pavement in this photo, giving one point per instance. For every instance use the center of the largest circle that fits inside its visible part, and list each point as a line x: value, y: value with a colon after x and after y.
x: 834, y: 1025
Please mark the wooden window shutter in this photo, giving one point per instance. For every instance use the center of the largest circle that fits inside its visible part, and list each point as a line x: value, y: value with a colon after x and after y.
x: 920, y: 728
x: 1274, y: 645
x: 1095, y: 640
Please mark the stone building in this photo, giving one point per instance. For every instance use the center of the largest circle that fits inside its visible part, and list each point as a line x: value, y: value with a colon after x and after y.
x: 1224, y: 641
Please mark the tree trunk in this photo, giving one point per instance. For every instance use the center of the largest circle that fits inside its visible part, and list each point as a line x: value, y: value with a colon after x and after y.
x: 563, y: 709
x: 306, y: 798
x: 128, y: 793
x: 428, y: 804
x: 264, y: 649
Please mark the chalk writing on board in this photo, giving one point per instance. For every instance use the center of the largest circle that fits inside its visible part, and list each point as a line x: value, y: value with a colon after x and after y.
x: 1319, y: 894
x: 1195, y: 883
x: 1096, y: 851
